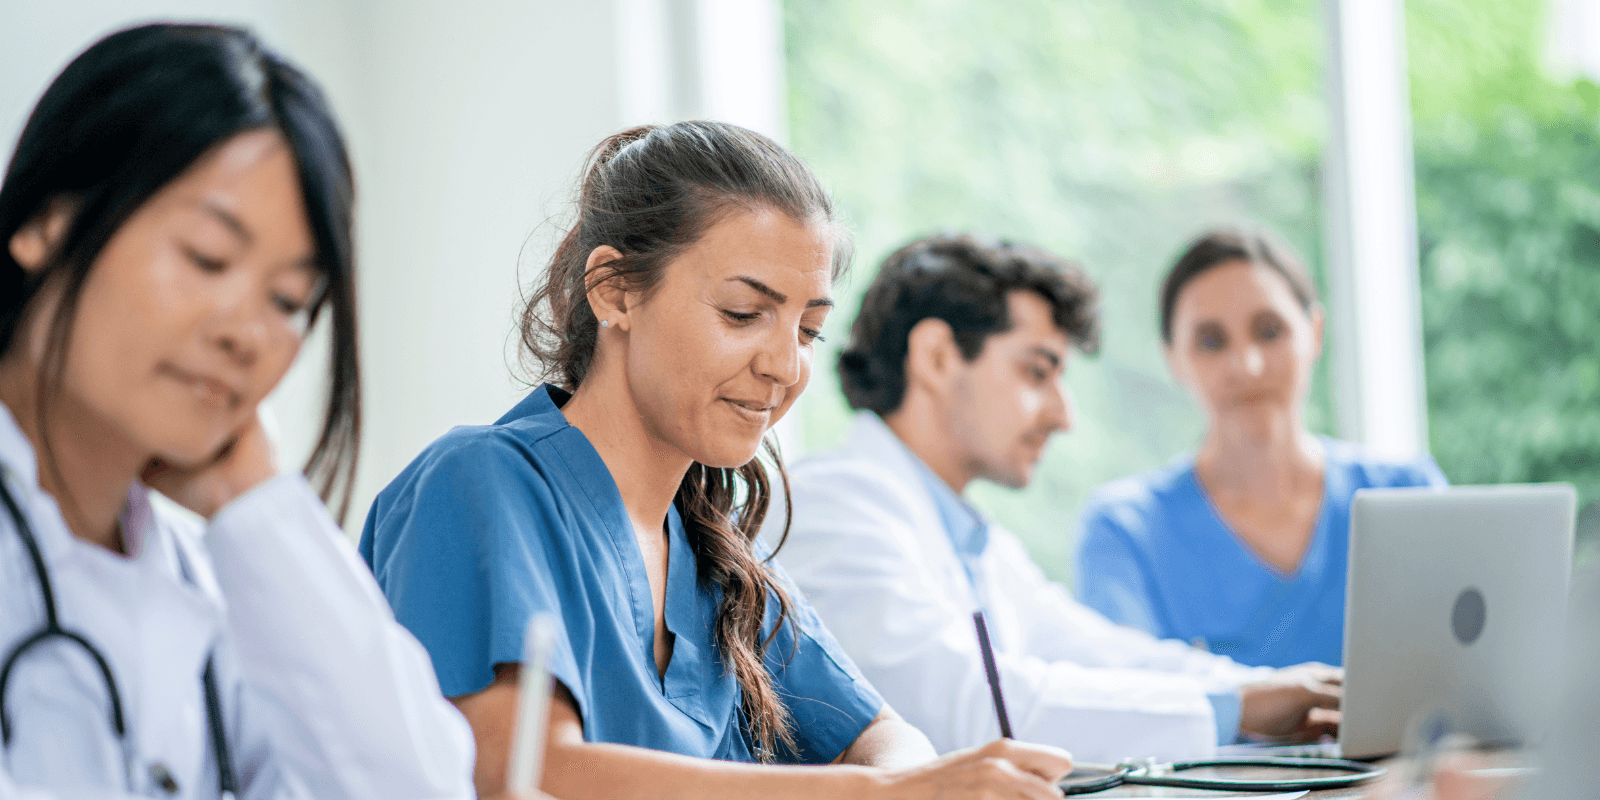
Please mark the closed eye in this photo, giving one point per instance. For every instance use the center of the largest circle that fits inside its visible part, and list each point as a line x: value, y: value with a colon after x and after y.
x: 741, y: 317
x: 811, y: 335
x: 203, y: 261
x: 1268, y: 329
x: 288, y: 305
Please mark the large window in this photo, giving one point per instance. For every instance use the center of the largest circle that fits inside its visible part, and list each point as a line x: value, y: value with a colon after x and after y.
x: 1110, y: 131
x: 1508, y: 210
x: 1113, y: 130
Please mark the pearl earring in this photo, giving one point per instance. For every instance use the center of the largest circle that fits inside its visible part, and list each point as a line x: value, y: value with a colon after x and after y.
x: 605, y: 323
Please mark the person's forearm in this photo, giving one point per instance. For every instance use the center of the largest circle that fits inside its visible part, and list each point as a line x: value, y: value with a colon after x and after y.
x: 584, y: 771
x: 300, y: 603
x: 889, y: 743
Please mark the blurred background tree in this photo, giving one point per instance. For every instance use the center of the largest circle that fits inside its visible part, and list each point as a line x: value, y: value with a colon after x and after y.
x: 1113, y: 131
x: 1508, y: 205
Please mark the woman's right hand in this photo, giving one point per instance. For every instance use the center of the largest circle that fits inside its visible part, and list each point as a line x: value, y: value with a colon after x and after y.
x: 1296, y: 703
x: 1004, y: 768
x: 245, y: 461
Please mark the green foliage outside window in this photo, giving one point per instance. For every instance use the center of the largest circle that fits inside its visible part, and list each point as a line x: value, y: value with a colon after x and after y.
x: 1113, y: 130
x: 1508, y: 205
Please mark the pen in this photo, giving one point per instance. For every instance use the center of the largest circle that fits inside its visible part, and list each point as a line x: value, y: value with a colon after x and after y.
x: 993, y: 673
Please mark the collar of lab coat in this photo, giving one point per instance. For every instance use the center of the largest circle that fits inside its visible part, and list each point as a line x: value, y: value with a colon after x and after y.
x: 16, y: 454
x: 872, y: 440
x: 187, y: 583
x: 155, y: 627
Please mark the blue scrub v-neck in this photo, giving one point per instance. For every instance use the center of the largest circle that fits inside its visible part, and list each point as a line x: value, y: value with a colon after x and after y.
x: 689, y: 614
x: 492, y: 524
x: 1279, y: 599
x: 1155, y: 553
x: 1225, y: 535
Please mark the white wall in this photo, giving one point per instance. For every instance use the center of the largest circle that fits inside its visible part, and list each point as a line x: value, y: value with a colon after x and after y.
x: 473, y: 122
x: 468, y: 122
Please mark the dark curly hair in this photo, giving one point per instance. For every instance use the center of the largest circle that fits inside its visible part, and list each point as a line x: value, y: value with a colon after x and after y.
x: 963, y: 280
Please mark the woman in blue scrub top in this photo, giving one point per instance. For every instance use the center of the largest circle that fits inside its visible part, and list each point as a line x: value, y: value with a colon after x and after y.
x: 1241, y: 546
x: 676, y: 321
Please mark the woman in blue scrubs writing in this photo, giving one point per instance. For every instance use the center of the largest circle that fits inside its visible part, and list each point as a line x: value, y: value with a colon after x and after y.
x: 1239, y: 547
x: 677, y: 320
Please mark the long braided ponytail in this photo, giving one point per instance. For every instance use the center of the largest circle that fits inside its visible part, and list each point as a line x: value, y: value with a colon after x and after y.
x: 651, y: 192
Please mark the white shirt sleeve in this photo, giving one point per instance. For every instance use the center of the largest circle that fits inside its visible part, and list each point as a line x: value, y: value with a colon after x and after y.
x: 348, y: 695
x: 855, y: 554
x: 1060, y: 628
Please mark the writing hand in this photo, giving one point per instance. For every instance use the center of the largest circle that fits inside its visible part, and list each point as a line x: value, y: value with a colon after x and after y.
x: 1002, y: 768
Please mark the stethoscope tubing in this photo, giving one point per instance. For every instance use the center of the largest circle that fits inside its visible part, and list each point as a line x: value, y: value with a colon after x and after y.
x: 52, y: 627
x: 228, y: 784
x: 1135, y: 774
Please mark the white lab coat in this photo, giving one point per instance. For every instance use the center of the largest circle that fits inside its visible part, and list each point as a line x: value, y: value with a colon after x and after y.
x: 869, y: 550
x: 324, y: 694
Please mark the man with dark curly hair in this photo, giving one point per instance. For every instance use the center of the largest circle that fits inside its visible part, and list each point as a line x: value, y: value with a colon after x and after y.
x: 955, y: 368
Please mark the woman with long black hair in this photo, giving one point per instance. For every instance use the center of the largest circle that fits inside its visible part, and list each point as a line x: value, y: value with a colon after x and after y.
x: 176, y: 217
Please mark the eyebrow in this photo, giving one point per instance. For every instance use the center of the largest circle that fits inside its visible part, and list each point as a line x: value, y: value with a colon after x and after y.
x: 227, y: 218
x: 777, y: 296
x: 1048, y: 355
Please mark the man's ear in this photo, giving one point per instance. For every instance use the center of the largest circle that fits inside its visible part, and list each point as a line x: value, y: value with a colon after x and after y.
x: 931, y: 355
x: 608, y: 300
x: 33, y: 243
x: 1318, y: 326
x: 1180, y: 376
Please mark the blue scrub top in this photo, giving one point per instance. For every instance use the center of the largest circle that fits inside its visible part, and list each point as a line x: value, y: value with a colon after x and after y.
x: 492, y: 524
x: 1155, y: 554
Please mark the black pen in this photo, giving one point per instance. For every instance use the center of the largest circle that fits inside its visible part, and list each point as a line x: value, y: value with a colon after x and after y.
x: 994, y: 674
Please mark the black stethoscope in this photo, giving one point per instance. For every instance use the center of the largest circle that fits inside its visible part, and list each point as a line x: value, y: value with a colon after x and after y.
x: 1153, y: 773
x: 227, y: 784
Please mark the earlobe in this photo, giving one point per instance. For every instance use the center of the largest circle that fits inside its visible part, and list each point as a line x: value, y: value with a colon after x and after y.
x: 33, y: 243
x: 30, y: 247
x: 606, y: 299
x: 27, y: 249
x: 1174, y: 367
x: 1317, y: 328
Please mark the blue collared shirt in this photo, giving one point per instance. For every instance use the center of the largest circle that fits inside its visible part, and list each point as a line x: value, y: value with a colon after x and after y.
x: 967, y: 529
x: 492, y: 524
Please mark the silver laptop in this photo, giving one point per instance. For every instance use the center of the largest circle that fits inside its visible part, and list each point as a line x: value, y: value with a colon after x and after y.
x: 1455, y: 604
